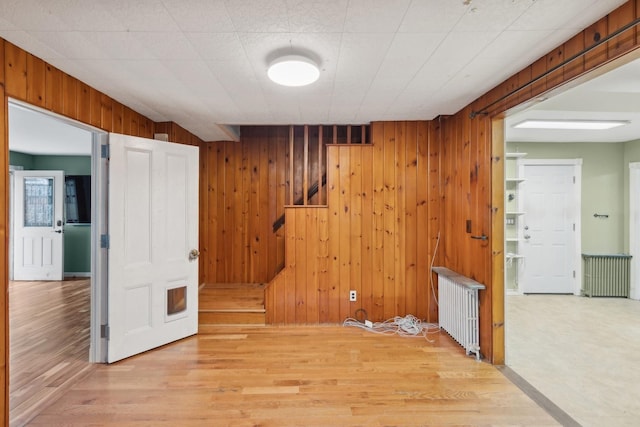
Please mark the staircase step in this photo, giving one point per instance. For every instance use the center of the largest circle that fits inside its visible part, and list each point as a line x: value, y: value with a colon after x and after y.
x: 223, y: 304
x: 224, y: 317
x: 219, y: 299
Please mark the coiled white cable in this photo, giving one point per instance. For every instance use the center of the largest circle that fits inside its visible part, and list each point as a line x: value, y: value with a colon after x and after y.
x: 408, y: 326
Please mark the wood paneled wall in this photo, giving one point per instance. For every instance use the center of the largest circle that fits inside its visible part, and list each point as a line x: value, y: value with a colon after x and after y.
x: 243, y: 187
x: 376, y: 236
x: 26, y: 78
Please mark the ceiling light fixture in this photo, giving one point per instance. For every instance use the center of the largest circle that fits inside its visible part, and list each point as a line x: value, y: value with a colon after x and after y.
x: 293, y: 70
x: 570, y: 124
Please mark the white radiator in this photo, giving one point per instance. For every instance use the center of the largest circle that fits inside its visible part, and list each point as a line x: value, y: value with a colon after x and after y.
x: 458, y: 308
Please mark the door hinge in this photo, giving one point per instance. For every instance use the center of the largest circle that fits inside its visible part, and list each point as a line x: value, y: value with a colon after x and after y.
x: 574, y: 226
x: 104, y: 151
x: 104, y: 331
x: 104, y: 241
x: 574, y: 274
x: 574, y: 179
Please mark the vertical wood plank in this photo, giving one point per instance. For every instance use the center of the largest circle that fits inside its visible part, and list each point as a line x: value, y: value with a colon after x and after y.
x: 399, y: 248
x: 36, y: 78
x: 616, y: 20
x: 15, y: 70
x: 106, y: 113
x: 344, y: 216
x: 83, y: 102
x: 321, y: 162
x: 355, y: 227
x: 435, y: 210
x: 333, y: 195
x: 389, y: 219
x: 54, y: 89
x: 291, y: 166
x: 592, y: 35
x: 291, y: 260
x: 95, y: 107
x: 378, y: 280
x: 366, y: 293
x: 241, y: 199
x: 422, y: 214
x: 117, y: 111
x: 4, y: 237
x: 323, y: 266
x: 305, y: 168
x: 497, y: 245
x: 223, y: 250
x: 69, y: 96
x: 410, y: 218
x: 302, y: 274
x: 313, y: 247
x: 572, y: 47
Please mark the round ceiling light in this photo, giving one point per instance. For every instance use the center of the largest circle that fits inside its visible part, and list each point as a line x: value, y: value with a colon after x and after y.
x: 293, y: 70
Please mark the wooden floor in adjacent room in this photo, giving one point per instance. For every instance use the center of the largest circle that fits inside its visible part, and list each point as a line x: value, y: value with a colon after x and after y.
x: 296, y: 376
x: 581, y: 353
x: 49, y: 343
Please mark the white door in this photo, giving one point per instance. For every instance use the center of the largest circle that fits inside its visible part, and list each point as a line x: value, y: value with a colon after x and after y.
x: 548, y: 229
x: 153, y: 241
x: 38, y: 240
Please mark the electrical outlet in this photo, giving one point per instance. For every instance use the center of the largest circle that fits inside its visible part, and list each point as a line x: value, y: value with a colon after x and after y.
x: 353, y: 296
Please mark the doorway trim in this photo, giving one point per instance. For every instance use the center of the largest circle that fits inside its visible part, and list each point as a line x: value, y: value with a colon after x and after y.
x: 634, y: 228
x: 97, y: 345
x: 576, y: 200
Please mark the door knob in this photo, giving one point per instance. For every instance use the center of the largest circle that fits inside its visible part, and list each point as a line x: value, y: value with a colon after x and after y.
x: 194, y: 254
x: 57, y: 231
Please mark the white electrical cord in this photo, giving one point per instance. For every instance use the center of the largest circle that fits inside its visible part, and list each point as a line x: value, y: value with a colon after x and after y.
x: 408, y: 326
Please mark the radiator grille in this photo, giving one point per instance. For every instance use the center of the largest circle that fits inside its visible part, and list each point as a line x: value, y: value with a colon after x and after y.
x: 606, y: 275
x: 458, y: 308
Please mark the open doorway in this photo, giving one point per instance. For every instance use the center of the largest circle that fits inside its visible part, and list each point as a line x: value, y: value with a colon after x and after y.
x: 579, y: 352
x: 51, y: 321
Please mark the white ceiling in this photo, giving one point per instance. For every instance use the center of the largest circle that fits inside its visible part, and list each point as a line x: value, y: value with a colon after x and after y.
x: 202, y: 63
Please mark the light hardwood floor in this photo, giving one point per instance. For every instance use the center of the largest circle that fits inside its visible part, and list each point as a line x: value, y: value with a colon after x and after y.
x: 296, y: 376
x: 582, y: 353
x: 49, y: 343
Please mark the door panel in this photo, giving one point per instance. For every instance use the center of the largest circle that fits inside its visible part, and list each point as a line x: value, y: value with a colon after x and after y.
x: 38, y: 230
x: 153, y: 227
x: 548, y: 245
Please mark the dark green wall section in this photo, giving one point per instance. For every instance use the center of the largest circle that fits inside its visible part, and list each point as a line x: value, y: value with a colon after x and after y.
x: 21, y: 159
x: 77, y: 237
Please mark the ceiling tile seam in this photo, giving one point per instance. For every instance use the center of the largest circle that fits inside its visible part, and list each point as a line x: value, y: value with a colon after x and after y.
x: 337, y: 60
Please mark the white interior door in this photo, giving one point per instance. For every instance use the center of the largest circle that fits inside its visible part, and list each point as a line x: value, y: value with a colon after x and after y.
x: 549, y: 224
x: 153, y: 241
x: 38, y: 240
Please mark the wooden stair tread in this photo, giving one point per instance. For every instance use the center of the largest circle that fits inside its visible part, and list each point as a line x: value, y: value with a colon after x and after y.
x: 226, y: 304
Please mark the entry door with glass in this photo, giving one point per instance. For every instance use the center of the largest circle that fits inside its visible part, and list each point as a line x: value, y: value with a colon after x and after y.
x: 38, y: 235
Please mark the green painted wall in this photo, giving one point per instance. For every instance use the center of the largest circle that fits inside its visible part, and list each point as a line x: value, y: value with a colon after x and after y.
x: 21, y: 159
x: 77, y: 237
x: 603, y: 189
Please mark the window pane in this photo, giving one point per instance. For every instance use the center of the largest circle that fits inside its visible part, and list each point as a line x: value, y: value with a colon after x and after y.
x: 38, y: 202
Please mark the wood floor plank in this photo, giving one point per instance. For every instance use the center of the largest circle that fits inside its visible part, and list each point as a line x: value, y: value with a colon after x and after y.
x: 296, y: 376
x: 49, y: 343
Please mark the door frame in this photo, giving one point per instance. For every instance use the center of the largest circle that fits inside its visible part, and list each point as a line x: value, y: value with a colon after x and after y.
x: 634, y: 228
x: 576, y: 200
x: 97, y: 345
